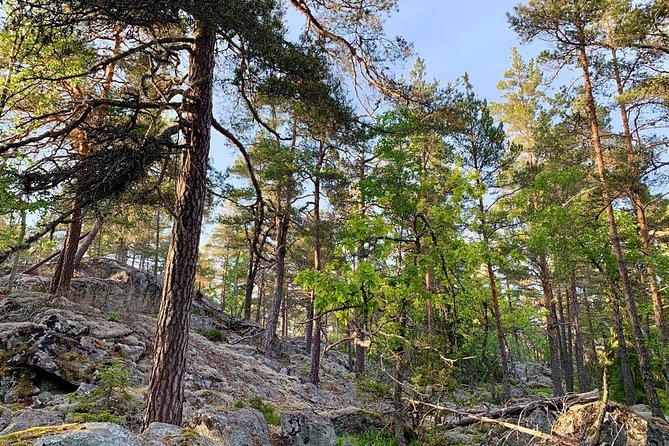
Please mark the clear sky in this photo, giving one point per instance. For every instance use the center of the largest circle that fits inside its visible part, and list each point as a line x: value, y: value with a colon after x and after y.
x: 458, y: 36
x: 454, y: 37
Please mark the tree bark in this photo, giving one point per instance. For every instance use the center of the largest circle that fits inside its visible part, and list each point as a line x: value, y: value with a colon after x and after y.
x: 398, y: 405
x: 87, y: 241
x: 637, y: 199
x: 503, y: 359
x: 628, y: 293
x: 623, y: 357
x: 565, y: 342
x: 64, y: 271
x: 583, y: 382
x: 165, y: 393
x: 315, y: 326
x: 156, y: 254
x: 282, y: 220
x: 17, y: 254
x: 551, y: 328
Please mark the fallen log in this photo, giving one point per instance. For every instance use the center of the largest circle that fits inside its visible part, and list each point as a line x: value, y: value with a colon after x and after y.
x: 555, y: 403
x: 553, y: 438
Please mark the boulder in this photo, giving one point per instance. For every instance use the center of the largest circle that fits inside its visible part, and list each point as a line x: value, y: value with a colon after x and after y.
x: 540, y: 419
x: 307, y: 427
x: 354, y: 421
x: 245, y: 427
x: 88, y: 434
x: 162, y: 434
x: 621, y: 426
x: 32, y: 418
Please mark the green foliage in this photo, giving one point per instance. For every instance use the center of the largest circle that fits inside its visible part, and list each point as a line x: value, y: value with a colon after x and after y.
x: 110, y: 400
x: 370, y: 438
x: 374, y: 386
x: 267, y: 409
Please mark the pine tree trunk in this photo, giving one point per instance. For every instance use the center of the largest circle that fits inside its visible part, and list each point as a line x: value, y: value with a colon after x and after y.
x: 64, y: 271
x: 504, y: 362
x: 583, y: 382
x: 628, y: 293
x: 623, y: 357
x: 165, y: 393
x: 282, y: 222
x: 250, y: 282
x: 156, y: 254
x: 314, y: 339
x: 551, y: 328
x: 565, y: 353
x: 398, y: 405
x: 87, y: 241
x: 592, y: 351
x: 360, y: 344
x: 261, y: 294
x: 636, y: 197
x: 17, y: 255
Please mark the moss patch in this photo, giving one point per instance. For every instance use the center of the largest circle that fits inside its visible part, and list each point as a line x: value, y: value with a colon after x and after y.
x: 26, y: 437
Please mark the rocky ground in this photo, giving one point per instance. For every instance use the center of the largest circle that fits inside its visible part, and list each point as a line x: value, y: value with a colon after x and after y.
x: 73, y: 371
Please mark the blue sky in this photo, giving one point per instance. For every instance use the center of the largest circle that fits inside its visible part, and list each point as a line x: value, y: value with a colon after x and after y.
x: 454, y: 37
x: 458, y: 36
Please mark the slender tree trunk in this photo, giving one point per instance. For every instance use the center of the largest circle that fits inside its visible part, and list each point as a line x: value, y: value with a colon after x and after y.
x: 282, y: 222
x: 165, y: 393
x: 222, y: 297
x: 261, y: 294
x: 284, y: 321
x: 349, y: 347
x: 501, y: 342
x: 17, y: 255
x: 591, y: 339
x: 623, y: 357
x: 398, y: 405
x: 64, y: 271
x: 87, y: 241
x: 156, y: 254
x: 628, y: 293
x: 565, y: 353
x: 315, y: 340
x: 361, y: 342
x: 551, y: 328
x: 583, y: 382
x: 121, y: 254
x: 637, y: 199
x: 250, y: 282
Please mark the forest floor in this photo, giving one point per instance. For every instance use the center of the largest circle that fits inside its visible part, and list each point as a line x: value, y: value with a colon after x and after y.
x: 87, y: 358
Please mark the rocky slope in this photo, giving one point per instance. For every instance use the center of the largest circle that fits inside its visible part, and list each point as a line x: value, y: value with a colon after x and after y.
x: 53, y: 351
x: 74, y: 370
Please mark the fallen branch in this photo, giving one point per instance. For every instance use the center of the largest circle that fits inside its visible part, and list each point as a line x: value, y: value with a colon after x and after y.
x: 556, y: 439
x: 555, y: 403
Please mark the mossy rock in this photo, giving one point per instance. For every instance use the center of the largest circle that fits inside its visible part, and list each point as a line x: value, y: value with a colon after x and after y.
x: 28, y: 436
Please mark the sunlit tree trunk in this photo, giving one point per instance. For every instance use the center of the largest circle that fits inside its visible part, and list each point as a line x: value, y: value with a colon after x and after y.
x: 628, y: 293
x: 166, y: 386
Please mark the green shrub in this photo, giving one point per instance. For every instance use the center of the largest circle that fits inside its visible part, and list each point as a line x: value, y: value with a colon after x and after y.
x: 110, y: 400
x: 101, y: 417
x: 373, y: 385
x: 267, y: 410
